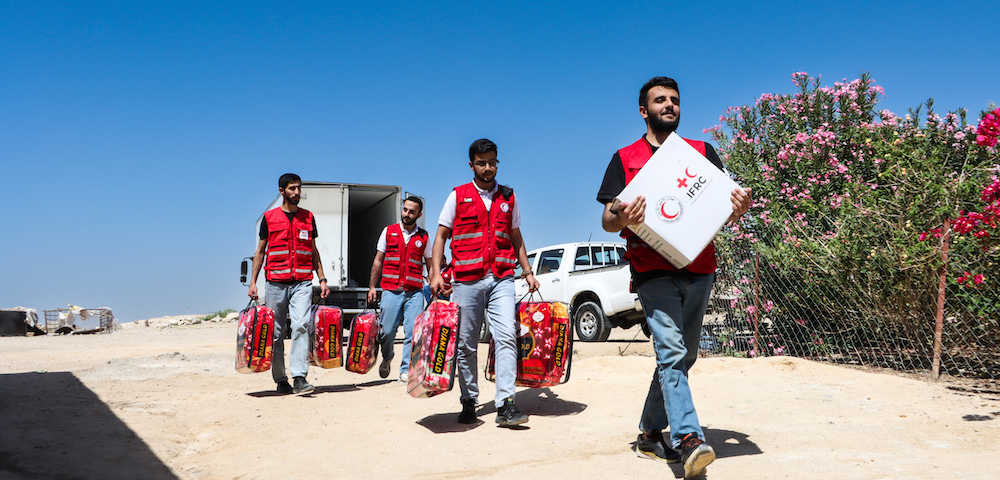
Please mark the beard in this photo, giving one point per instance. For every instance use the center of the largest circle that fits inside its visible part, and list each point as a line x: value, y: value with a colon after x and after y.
x: 657, y: 123
x: 486, y: 178
x: 409, y: 221
x: 293, y: 200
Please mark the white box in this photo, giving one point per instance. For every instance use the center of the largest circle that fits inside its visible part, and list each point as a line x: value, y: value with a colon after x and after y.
x: 688, y: 199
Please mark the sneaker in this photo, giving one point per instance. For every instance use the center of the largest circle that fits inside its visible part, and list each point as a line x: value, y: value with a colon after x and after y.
x: 468, y: 414
x: 404, y: 377
x: 301, y: 386
x: 383, y: 368
x: 508, y: 415
x: 284, y: 387
x: 653, y: 447
x: 696, y: 455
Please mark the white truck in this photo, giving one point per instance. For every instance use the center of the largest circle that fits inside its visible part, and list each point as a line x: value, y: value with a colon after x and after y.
x: 349, y: 219
x: 593, y: 278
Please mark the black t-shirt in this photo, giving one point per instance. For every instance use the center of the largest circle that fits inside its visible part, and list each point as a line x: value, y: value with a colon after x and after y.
x: 614, y: 183
x: 264, y: 230
x: 614, y: 177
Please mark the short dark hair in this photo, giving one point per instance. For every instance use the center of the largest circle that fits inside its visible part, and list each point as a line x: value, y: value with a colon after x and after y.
x: 665, y: 82
x: 287, y: 178
x: 417, y: 200
x: 481, y: 146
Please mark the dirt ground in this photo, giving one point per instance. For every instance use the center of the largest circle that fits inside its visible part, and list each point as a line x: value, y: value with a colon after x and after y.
x: 165, y: 402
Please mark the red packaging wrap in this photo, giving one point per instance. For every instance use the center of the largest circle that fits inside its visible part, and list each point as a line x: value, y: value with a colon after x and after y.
x: 326, y: 347
x: 434, y: 350
x: 545, y: 345
x: 254, y: 339
x: 362, y: 346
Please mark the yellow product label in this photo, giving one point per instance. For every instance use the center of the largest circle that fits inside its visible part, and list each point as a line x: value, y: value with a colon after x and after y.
x: 333, y: 345
x: 560, y: 343
x: 261, y: 349
x: 358, y: 343
x: 441, y: 350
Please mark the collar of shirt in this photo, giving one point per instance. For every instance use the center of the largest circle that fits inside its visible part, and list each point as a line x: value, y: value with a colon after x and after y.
x: 485, y: 193
x: 487, y: 196
x: 407, y: 234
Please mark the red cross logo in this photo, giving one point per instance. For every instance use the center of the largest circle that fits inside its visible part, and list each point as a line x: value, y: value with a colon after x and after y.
x: 682, y: 183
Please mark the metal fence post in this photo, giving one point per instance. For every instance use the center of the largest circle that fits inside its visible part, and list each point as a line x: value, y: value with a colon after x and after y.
x: 756, y: 303
x: 939, y: 315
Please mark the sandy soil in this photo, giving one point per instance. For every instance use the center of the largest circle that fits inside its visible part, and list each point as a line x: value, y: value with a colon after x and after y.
x: 164, y: 401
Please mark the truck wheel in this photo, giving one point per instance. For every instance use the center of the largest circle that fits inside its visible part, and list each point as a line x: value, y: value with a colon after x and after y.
x: 484, y: 333
x: 591, y: 324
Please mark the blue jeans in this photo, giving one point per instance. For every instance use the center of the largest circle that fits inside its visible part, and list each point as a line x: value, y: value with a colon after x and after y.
x: 399, y: 308
x: 674, y: 306
x: 291, y: 301
x: 495, y: 298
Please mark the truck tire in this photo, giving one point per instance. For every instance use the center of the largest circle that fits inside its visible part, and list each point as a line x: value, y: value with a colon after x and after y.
x: 484, y: 333
x: 591, y: 324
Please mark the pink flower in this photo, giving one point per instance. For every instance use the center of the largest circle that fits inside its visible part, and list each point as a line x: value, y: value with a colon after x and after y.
x: 979, y: 279
x: 989, y: 129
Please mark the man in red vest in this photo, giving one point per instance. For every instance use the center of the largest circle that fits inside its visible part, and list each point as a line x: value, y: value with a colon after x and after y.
x: 483, y: 221
x: 288, y: 238
x: 674, y: 301
x: 400, y: 258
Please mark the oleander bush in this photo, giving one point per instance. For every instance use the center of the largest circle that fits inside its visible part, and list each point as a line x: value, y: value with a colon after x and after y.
x: 840, y: 255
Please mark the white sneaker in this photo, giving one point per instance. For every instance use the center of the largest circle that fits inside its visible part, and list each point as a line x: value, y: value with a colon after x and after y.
x: 404, y: 377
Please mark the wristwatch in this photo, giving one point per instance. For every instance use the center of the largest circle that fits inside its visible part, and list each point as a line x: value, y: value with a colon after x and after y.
x: 322, y: 280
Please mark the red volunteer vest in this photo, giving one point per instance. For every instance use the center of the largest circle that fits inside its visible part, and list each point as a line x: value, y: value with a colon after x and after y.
x: 480, y: 240
x: 289, y: 246
x: 404, y: 262
x: 643, y: 257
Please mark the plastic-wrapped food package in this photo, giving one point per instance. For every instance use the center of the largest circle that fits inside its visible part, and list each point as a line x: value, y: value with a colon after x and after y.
x: 545, y: 345
x: 326, y: 348
x: 362, y: 346
x: 434, y: 350
x: 254, y: 339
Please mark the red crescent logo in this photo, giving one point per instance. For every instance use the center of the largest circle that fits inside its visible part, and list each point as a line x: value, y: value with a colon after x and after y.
x: 664, y: 212
x: 689, y: 173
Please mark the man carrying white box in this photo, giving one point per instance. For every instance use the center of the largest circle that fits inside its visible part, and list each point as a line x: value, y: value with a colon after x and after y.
x: 673, y: 287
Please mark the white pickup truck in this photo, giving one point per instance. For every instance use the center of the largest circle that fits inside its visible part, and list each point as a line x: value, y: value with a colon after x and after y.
x: 593, y: 278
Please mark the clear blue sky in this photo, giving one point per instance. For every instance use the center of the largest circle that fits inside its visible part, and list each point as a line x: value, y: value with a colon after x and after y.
x: 139, y: 141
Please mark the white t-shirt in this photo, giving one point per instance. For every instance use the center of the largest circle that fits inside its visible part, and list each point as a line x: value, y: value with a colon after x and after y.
x: 447, y: 217
x: 381, y: 246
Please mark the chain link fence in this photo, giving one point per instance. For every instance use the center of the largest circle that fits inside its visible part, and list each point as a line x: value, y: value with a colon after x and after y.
x: 862, y: 313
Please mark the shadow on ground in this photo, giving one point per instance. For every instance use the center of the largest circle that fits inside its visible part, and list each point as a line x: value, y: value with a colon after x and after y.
x: 319, y: 389
x: 540, y: 402
x: 545, y: 403
x: 54, y: 427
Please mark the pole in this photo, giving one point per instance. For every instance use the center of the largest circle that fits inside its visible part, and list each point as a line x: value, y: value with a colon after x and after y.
x: 939, y: 315
x: 756, y: 303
